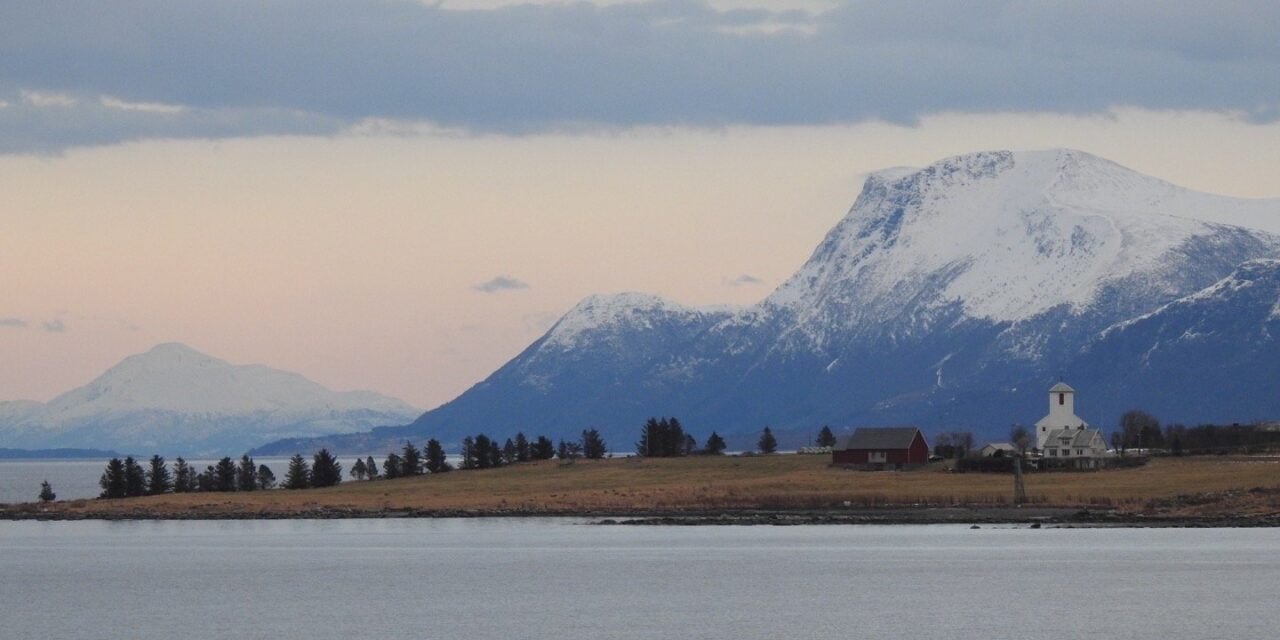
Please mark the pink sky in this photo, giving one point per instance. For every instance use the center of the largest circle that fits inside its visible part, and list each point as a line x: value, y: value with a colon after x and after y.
x: 353, y: 259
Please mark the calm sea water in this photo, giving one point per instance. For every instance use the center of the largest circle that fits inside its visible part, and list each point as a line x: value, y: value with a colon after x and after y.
x: 527, y: 578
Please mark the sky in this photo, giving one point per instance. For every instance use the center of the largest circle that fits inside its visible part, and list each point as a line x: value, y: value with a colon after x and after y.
x: 401, y: 196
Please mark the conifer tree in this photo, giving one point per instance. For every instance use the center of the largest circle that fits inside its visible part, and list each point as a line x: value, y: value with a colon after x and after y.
x: 437, y: 462
x: 112, y: 480
x: 663, y: 438
x: 410, y: 461
x: 495, y: 454
x: 522, y: 447
x: 715, y: 445
x: 135, y: 478
x: 391, y: 467
x: 246, y: 474
x: 690, y: 445
x: 266, y: 479
x: 325, y: 469
x: 46, y: 492
x: 767, y: 443
x: 593, y: 446
x: 371, y: 468
x: 562, y: 450
x: 469, y: 460
x: 224, y: 475
x: 826, y: 438
x: 543, y: 449
x: 508, y: 452
x: 299, y: 474
x: 358, y: 470
x: 482, y: 450
x: 183, y: 476
x: 206, y: 480
x: 158, y: 479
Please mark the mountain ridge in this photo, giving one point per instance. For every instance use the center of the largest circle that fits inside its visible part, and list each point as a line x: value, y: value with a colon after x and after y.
x: 175, y: 399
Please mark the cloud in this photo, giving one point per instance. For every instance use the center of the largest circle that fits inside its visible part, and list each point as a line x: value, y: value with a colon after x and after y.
x: 13, y: 322
x: 742, y: 280
x: 54, y: 326
x: 240, y: 68
x: 500, y: 283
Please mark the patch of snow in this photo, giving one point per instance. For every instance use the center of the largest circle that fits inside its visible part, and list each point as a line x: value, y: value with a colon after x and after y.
x: 631, y: 310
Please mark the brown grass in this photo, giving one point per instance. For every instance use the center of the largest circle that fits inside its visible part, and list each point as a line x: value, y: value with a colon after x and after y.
x: 705, y: 484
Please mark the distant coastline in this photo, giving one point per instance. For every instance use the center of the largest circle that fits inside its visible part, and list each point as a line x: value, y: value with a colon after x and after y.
x: 56, y: 454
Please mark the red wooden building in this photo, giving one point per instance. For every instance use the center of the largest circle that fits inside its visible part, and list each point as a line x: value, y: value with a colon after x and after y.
x: 882, y: 448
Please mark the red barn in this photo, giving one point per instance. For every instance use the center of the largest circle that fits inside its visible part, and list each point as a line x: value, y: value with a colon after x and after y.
x: 882, y: 448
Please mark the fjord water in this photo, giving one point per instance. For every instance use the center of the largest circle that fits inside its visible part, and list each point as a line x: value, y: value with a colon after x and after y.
x: 556, y: 578
x: 78, y: 479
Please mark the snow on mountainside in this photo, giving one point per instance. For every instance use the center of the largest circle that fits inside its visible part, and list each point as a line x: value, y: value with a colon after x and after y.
x: 1221, y: 343
x: 1004, y: 237
x: 598, y: 316
x: 176, y: 398
x: 949, y: 296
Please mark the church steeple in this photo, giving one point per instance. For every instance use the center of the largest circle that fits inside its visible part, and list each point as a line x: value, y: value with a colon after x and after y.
x: 1062, y: 413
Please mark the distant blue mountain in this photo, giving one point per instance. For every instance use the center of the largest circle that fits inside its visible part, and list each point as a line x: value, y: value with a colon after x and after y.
x: 950, y: 297
x: 56, y: 454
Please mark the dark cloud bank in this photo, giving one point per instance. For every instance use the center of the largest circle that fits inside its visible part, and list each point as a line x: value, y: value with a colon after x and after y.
x: 320, y: 66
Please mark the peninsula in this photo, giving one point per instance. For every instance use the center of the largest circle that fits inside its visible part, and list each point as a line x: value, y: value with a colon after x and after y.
x: 781, y: 488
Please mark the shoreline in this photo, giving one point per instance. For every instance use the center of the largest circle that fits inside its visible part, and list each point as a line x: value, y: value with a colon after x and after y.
x: 1034, y: 517
x: 763, y: 490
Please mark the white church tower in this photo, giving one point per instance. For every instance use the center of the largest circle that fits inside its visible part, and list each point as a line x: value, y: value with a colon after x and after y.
x: 1062, y: 414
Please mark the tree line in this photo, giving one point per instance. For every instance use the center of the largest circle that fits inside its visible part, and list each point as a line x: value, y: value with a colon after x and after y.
x: 127, y: 478
x: 659, y: 437
x: 667, y: 438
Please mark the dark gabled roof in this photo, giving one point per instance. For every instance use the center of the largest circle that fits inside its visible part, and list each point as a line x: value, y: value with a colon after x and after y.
x: 1079, y: 437
x: 879, y: 438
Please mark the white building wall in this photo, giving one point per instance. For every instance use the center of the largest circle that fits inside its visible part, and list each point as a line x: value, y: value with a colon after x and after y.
x: 1062, y: 415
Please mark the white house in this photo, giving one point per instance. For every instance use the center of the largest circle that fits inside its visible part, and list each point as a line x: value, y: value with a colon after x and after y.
x: 1074, y: 443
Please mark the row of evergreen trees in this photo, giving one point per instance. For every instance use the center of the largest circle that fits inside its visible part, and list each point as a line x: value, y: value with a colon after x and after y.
x: 127, y: 478
x: 666, y: 438
x: 409, y: 462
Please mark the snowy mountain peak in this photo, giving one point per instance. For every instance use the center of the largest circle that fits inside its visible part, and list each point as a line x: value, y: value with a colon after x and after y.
x: 166, y: 356
x: 1005, y: 236
x: 621, y: 311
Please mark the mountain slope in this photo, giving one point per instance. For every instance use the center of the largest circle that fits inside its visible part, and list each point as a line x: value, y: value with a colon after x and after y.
x: 178, y: 400
x: 949, y: 296
x: 1216, y: 348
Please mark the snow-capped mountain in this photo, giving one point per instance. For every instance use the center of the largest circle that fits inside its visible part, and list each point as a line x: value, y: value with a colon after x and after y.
x: 174, y: 399
x: 949, y: 296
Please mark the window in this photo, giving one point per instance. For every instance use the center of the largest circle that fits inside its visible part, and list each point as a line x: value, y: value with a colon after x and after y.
x: 1079, y: 452
x: 1053, y: 453
x: 1062, y: 398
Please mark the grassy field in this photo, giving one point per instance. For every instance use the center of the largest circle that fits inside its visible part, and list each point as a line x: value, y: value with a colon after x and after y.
x: 629, y: 485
